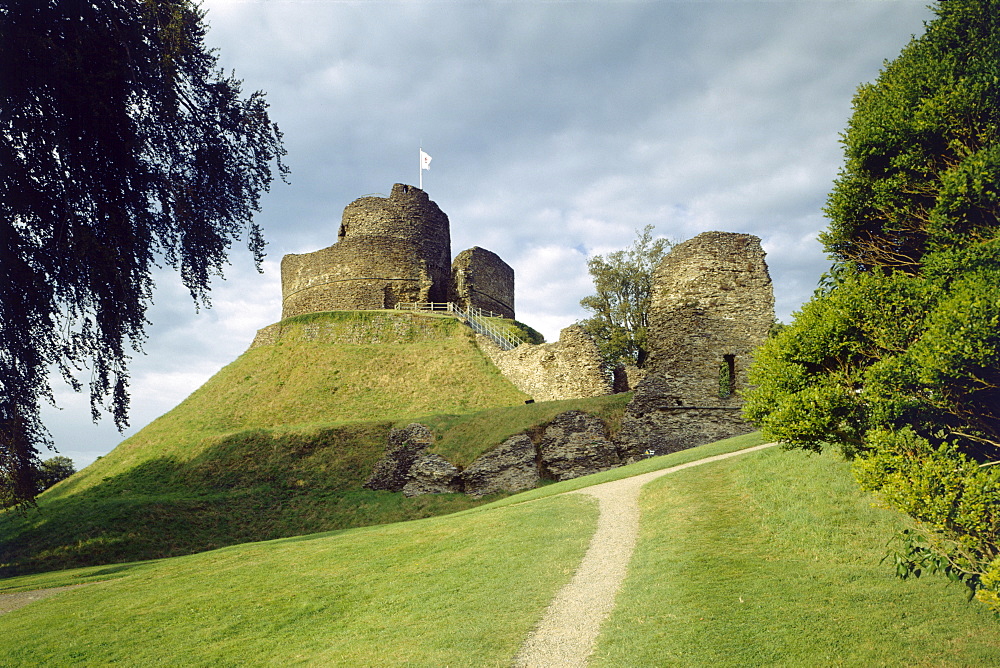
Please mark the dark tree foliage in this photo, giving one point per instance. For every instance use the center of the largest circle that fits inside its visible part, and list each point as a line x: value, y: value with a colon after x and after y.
x: 623, y: 284
x: 53, y: 470
x: 896, y: 359
x: 122, y: 146
x: 922, y: 160
x: 47, y: 474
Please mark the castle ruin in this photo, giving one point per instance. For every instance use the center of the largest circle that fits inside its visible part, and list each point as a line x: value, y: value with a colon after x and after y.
x: 394, y: 250
x: 482, y: 280
x: 712, y: 305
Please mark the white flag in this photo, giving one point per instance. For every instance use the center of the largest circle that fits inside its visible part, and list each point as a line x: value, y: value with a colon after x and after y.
x: 425, y: 160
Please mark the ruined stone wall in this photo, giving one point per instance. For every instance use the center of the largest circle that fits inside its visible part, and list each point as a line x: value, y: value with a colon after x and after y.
x: 408, y: 214
x: 482, y: 280
x: 567, y: 369
x: 712, y: 304
x: 389, y: 250
x: 353, y: 274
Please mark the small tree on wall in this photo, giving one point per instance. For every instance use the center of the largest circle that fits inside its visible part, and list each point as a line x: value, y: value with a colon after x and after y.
x: 623, y: 281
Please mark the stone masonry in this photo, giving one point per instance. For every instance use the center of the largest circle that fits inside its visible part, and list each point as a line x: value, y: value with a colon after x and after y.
x: 712, y: 304
x: 393, y: 250
x: 389, y: 249
x: 567, y: 369
x: 482, y: 280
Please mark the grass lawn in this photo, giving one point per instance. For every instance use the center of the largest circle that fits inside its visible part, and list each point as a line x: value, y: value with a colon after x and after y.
x: 461, y: 591
x: 773, y: 560
x: 326, y: 369
x: 279, y: 442
x: 770, y: 559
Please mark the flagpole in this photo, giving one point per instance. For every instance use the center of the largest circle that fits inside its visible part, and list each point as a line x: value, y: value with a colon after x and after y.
x: 420, y: 166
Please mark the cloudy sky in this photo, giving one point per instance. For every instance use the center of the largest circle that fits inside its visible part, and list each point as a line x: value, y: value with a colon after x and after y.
x: 557, y: 129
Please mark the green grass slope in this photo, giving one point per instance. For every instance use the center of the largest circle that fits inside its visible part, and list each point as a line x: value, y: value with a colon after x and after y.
x: 279, y: 442
x: 324, y: 368
x: 770, y: 559
x: 773, y: 560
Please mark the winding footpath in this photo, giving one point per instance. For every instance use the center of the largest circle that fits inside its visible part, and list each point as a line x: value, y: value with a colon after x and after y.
x: 566, y: 634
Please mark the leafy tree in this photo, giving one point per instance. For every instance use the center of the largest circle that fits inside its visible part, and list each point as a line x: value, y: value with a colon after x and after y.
x: 48, y: 473
x: 53, y: 470
x: 624, y: 284
x: 896, y: 359
x: 122, y: 146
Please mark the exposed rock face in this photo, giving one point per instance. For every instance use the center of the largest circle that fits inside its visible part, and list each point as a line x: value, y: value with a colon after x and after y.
x: 392, y: 472
x: 482, y: 280
x: 510, y: 467
x: 712, y: 304
x: 431, y: 474
x: 567, y: 369
x: 576, y: 444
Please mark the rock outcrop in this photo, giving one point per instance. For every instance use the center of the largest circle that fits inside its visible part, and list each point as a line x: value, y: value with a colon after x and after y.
x: 576, y: 444
x: 510, y: 467
x: 392, y: 472
x: 432, y: 474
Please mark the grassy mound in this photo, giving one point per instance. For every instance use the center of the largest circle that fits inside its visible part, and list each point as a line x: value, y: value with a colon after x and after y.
x: 767, y: 559
x: 323, y: 369
x: 279, y: 442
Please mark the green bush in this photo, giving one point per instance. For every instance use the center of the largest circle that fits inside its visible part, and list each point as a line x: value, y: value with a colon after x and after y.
x: 896, y: 359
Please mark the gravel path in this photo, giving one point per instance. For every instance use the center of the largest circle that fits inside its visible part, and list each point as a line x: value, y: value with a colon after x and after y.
x: 565, y: 636
x: 10, y: 602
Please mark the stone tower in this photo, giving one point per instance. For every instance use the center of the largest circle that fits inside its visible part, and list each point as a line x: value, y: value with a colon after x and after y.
x: 389, y: 250
x: 482, y: 280
x: 712, y: 304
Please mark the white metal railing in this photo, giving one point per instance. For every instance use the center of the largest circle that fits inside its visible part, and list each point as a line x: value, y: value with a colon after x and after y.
x: 476, y: 318
x: 428, y: 306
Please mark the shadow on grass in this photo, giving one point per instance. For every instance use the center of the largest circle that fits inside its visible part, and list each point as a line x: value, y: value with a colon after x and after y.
x: 249, y: 486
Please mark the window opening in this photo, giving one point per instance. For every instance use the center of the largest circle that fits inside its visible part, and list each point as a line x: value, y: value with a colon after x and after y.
x: 727, y: 376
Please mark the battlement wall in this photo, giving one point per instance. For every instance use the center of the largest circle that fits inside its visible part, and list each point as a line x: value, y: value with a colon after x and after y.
x: 482, y: 280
